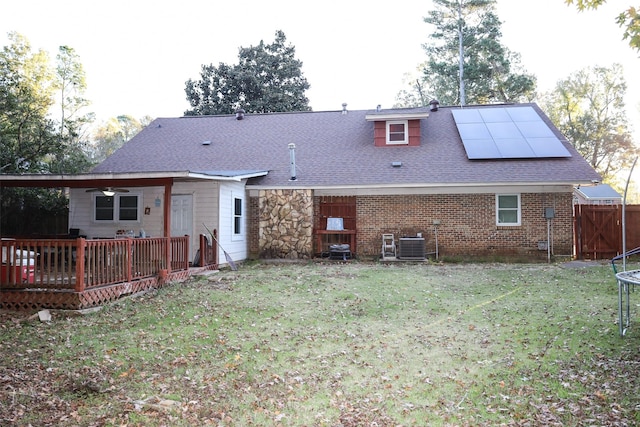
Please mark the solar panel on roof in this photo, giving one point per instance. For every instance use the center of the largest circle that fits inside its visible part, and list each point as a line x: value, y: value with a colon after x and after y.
x: 533, y: 130
x: 494, y: 115
x: 503, y: 130
x: 513, y: 148
x: 482, y: 149
x: 506, y: 133
x: 523, y: 114
x: 468, y: 116
x: 473, y: 131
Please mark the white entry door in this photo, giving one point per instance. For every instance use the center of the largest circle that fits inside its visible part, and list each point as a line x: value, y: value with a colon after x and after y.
x: 182, y: 217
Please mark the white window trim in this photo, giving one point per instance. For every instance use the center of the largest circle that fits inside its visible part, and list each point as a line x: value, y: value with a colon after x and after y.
x: 238, y: 236
x: 116, y: 209
x: 519, y: 209
x: 405, y: 141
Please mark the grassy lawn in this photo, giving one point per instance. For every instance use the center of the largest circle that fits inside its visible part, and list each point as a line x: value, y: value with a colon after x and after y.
x: 335, y: 344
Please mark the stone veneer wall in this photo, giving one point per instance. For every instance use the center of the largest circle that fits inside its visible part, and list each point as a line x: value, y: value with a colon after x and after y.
x: 285, y: 221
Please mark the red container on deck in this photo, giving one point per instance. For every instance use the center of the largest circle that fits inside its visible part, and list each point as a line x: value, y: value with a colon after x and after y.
x: 20, y: 274
x: 18, y: 266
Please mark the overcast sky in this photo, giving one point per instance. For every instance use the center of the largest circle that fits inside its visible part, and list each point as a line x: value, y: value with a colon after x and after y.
x: 138, y: 54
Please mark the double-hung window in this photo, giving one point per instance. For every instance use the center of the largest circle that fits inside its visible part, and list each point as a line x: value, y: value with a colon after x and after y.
x: 237, y: 216
x: 507, y: 209
x: 103, y: 208
x: 116, y: 208
x: 397, y: 132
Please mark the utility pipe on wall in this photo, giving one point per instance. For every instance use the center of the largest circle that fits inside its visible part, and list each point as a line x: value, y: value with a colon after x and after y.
x: 292, y: 161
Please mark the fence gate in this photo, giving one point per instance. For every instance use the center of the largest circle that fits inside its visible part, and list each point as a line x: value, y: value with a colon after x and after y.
x: 598, y: 230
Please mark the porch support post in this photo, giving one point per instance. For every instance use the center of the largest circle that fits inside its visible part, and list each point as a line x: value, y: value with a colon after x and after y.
x: 129, y: 258
x: 167, y: 223
x: 80, y: 258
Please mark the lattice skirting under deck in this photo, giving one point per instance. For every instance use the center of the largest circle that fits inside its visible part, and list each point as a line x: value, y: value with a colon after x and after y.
x: 36, y: 299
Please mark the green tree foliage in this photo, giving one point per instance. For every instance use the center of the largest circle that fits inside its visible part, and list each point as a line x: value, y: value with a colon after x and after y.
x: 31, y: 141
x: 266, y: 79
x: 27, y: 86
x: 73, y: 156
x: 628, y: 19
x: 491, y: 72
x: 414, y: 93
x: 71, y: 84
x: 588, y: 108
x: 112, y: 135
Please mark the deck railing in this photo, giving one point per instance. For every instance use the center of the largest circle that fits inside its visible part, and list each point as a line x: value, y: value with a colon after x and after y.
x: 179, y: 253
x: 81, y: 264
x: 208, y: 254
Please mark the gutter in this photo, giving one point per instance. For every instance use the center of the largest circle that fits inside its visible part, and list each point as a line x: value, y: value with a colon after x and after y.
x: 466, y: 185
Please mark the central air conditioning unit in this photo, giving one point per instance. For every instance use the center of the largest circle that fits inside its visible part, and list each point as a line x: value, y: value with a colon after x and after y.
x: 411, y: 248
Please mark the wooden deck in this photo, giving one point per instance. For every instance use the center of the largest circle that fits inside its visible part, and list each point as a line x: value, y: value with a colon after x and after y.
x: 81, y: 273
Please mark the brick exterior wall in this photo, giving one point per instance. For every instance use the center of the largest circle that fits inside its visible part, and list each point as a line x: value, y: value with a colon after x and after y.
x: 467, y: 223
x: 254, y: 227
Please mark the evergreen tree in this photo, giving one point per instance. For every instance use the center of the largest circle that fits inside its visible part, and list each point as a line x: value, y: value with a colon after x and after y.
x: 266, y: 79
x: 73, y: 153
x: 488, y: 73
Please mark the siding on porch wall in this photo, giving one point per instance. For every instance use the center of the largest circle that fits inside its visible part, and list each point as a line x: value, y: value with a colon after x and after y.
x: 467, y: 223
x: 232, y: 240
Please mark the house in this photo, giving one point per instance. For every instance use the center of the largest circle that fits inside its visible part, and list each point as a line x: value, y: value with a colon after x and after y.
x: 601, y: 194
x: 483, y: 180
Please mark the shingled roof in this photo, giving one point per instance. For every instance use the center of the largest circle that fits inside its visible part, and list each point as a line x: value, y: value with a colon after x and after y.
x: 332, y: 149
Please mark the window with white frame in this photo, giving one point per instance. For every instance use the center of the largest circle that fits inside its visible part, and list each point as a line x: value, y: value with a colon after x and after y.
x: 507, y: 209
x: 116, y: 208
x: 237, y: 216
x: 397, y: 132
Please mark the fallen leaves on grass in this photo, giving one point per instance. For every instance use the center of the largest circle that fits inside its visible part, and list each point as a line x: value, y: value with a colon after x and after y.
x: 333, y: 345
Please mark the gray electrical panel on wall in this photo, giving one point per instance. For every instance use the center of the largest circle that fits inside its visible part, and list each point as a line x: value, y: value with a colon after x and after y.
x: 549, y: 213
